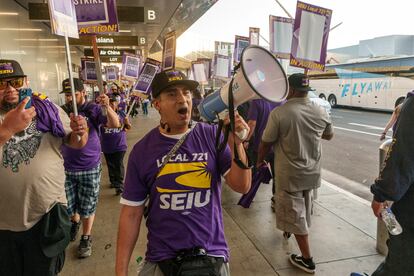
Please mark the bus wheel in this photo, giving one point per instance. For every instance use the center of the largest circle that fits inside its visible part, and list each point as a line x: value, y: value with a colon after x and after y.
x: 399, y: 101
x: 322, y: 96
x: 332, y: 100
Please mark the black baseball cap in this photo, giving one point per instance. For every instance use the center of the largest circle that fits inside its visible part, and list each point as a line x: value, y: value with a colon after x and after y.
x: 10, y: 69
x: 299, y: 82
x: 66, y: 85
x: 165, y: 79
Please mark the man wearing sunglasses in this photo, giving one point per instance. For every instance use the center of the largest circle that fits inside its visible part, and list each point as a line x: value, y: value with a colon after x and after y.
x: 83, y: 167
x: 34, y: 223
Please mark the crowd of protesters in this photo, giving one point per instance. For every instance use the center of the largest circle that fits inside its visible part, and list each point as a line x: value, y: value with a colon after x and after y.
x: 51, y: 174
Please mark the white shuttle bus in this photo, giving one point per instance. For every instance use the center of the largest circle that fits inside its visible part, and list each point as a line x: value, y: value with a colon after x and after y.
x: 373, y: 84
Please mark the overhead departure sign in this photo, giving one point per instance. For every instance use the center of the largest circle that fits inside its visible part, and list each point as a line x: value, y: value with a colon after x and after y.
x: 130, y: 14
x: 108, y: 52
x: 105, y: 40
x: 118, y: 40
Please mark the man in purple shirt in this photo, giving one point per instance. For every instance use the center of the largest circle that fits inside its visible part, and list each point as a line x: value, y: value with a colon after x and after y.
x: 259, y: 111
x: 83, y: 166
x: 184, y: 210
x: 117, y: 91
x: 114, y: 146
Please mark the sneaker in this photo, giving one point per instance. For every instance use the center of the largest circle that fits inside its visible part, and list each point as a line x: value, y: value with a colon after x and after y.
x: 272, y: 204
x: 306, y: 265
x: 358, y: 274
x: 74, y: 229
x: 85, y: 246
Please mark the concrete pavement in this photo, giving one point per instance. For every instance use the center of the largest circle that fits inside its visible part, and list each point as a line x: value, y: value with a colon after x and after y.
x: 342, y: 235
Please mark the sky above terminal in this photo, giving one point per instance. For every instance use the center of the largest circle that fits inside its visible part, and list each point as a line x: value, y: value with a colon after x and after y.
x: 361, y: 19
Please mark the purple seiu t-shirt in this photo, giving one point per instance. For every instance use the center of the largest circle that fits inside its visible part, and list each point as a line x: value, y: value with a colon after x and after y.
x: 114, y: 139
x: 185, y: 199
x: 259, y: 111
x: 89, y: 156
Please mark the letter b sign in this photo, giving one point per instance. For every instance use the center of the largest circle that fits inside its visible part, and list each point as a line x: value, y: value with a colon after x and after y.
x: 142, y: 40
x: 152, y: 15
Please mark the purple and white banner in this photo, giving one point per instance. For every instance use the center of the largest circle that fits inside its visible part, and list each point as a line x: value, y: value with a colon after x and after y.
x: 96, y: 17
x: 310, y: 36
x: 254, y: 35
x: 130, y: 66
x: 199, y: 72
x: 88, y: 70
x: 240, y: 43
x: 207, y: 66
x: 63, y: 18
x: 222, y: 66
x: 223, y: 48
x: 280, y: 34
x: 168, y: 54
x: 111, y: 73
x: 149, y: 70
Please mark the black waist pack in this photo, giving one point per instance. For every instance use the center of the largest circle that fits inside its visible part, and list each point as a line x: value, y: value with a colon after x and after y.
x: 192, y: 262
x: 55, y: 231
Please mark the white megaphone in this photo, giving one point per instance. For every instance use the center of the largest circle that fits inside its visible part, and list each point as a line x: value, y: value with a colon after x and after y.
x: 260, y: 75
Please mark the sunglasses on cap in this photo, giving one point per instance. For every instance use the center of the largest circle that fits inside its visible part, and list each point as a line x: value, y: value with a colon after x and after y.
x: 15, y: 83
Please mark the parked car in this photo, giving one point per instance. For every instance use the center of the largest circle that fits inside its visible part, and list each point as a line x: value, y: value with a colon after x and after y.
x: 322, y: 102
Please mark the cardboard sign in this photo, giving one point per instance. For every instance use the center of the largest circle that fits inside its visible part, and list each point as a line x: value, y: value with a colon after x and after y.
x: 63, y: 18
x: 310, y: 36
x: 96, y: 17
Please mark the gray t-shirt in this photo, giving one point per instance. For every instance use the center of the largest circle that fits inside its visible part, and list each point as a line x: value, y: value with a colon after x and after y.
x: 32, y: 176
x: 296, y: 129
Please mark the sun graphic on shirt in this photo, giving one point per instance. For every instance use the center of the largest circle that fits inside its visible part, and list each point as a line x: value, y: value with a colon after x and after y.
x: 192, y: 175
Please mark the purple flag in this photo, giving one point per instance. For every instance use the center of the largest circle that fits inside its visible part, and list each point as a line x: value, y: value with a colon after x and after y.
x: 47, y: 116
x: 262, y: 175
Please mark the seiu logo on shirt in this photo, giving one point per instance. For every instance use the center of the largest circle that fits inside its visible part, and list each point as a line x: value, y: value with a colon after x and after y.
x: 191, y: 187
x: 112, y: 130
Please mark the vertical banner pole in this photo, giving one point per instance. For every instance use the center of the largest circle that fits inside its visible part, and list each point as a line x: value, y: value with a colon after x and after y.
x: 97, y: 65
x: 130, y: 109
x: 129, y: 112
x: 98, y: 69
x: 72, y: 86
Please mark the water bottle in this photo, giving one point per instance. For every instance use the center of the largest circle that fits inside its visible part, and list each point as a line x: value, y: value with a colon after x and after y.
x: 141, y: 263
x: 394, y: 228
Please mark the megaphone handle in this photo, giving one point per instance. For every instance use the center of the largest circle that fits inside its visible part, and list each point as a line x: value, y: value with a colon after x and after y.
x: 104, y: 111
x: 242, y: 134
x: 222, y: 145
